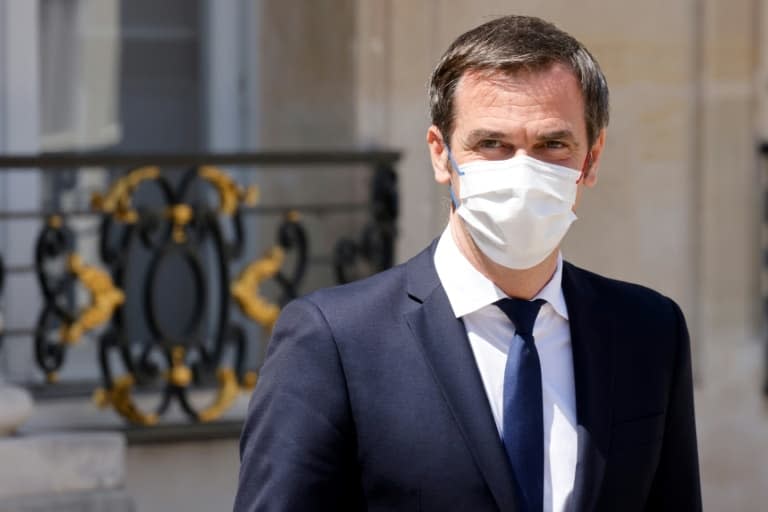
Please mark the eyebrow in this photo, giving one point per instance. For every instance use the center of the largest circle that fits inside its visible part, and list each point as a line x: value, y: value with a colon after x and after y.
x: 557, y: 135
x: 481, y: 133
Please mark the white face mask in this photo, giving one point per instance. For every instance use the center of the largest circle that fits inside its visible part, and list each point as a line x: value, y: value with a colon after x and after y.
x: 517, y: 210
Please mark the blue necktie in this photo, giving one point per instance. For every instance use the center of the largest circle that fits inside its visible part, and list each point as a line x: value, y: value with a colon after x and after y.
x: 523, y: 429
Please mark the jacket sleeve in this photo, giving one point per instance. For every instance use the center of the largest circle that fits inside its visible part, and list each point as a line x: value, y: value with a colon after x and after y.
x: 676, y: 484
x: 296, y: 450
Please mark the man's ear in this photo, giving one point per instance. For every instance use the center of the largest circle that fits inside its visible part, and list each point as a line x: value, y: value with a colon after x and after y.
x: 439, y: 155
x: 593, y: 160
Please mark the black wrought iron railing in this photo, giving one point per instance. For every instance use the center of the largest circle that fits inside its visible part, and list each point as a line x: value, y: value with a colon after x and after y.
x: 181, y: 264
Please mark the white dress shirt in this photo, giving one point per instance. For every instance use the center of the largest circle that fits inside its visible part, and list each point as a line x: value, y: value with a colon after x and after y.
x: 490, y: 334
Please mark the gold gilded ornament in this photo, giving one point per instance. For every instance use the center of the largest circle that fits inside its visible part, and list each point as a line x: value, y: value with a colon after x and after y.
x: 119, y: 397
x: 231, y: 195
x: 179, y: 375
x: 105, y: 299
x: 246, y: 288
x: 117, y: 200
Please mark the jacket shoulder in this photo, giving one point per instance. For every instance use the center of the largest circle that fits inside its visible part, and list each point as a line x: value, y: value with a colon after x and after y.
x: 623, y: 295
x: 389, y: 281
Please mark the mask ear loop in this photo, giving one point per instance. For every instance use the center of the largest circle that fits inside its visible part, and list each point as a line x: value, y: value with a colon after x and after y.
x: 455, y: 165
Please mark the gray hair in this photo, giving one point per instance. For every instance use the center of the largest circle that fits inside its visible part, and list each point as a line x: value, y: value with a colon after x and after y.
x: 510, y: 44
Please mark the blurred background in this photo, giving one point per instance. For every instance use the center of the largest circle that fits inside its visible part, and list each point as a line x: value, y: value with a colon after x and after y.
x: 172, y: 171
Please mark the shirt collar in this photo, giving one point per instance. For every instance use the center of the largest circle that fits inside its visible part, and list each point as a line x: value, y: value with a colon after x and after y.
x: 468, y: 290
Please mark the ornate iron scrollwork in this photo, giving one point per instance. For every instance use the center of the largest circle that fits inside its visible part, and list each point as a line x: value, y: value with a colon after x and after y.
x: 161, y: 308
x: 292, y: 237
x: 246, y: 288
x: 60, y: 270
x: 375, y: 248
x: 184, y: 246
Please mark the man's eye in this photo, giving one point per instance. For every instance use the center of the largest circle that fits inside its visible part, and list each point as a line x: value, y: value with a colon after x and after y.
x: 490, y: 144
x: 554, y: 144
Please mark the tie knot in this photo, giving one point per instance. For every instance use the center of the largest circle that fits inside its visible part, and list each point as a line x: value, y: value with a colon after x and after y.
x: 522, y: 313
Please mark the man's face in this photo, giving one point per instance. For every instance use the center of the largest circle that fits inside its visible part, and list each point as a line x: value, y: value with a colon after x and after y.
x: 498, y: 116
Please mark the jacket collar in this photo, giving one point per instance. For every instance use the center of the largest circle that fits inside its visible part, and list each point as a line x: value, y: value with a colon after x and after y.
x: 469, y: 290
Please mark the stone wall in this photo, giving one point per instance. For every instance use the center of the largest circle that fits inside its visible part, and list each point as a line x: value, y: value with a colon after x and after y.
x: 190, y: 476
x: 677, y: 207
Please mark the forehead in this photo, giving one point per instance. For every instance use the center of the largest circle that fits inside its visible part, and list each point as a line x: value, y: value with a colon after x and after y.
x: 509, y: 101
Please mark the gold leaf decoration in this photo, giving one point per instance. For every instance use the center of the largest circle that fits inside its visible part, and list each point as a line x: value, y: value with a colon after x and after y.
x: 105, y: 299
x: 117, y: 200
x: 119, y: 396
x: 246, y: 288
x: 231, y: 195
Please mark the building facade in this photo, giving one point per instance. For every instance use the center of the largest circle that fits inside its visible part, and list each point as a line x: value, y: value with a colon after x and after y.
x: 678, y: 207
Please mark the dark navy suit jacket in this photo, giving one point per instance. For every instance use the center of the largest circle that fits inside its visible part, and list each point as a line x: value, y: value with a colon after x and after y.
x: 370, y: 399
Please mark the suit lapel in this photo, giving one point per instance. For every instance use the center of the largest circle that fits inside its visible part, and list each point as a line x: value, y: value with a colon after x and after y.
x: 591, y: 344
x: 446, y: 348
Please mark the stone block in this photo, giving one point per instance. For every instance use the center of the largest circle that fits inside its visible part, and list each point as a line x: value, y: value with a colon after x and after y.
x: 60, y: 463
x: 91, y: 501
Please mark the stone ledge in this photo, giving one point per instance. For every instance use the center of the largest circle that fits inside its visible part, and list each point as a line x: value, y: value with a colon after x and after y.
x: 165, y: 433
x: 80, y: 416
x: 184, y: 432
x: 112, y: 500
x: 61, y: 462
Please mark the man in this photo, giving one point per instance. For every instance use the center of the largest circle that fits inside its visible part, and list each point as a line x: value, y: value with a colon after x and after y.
x: 485, y: 373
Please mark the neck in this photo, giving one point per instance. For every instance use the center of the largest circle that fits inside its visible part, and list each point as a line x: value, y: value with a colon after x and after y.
x: 522, y: 284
